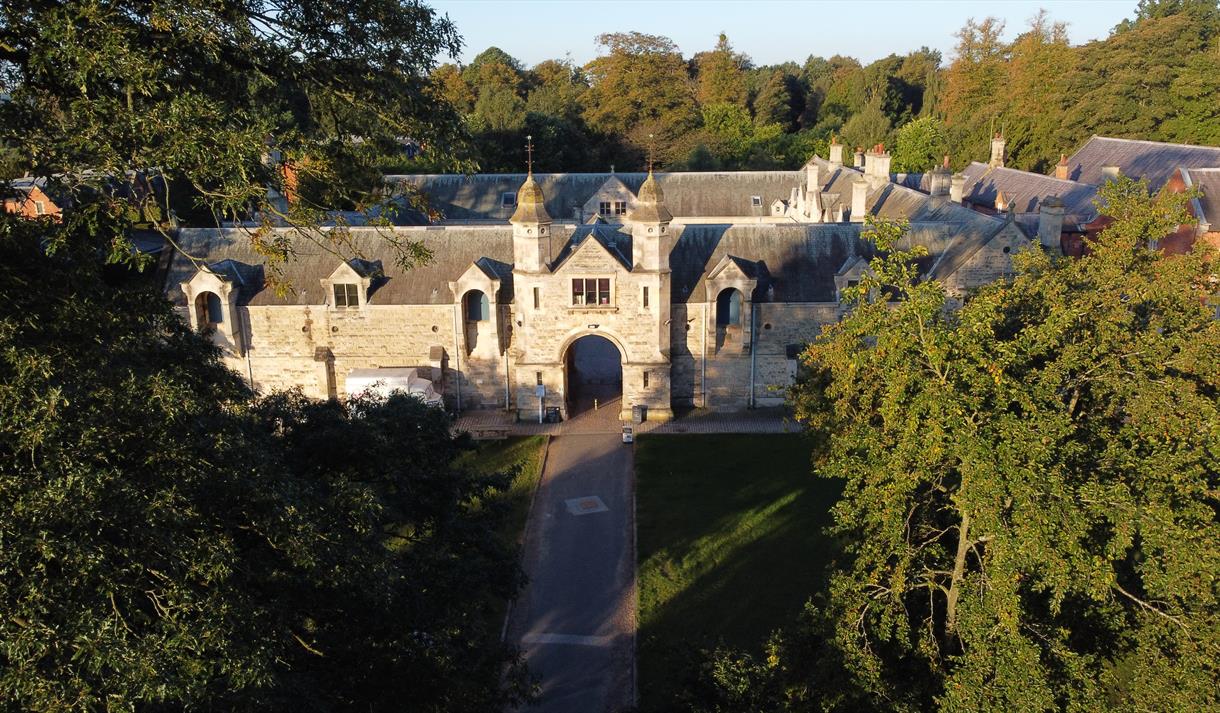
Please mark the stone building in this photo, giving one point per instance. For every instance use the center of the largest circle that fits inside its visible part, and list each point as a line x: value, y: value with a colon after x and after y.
x: 703, y: 286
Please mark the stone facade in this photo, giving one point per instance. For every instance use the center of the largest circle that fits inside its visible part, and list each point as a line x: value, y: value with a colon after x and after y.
x: 705, y: 311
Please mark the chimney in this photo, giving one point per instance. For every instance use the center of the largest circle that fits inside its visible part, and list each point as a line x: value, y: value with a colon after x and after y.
x: 859, y: 192
x: 877, y: 167
x: 812, y: 185
x: 957, y: 186
x: 1001, y: 202
x: 997, y: 151
x: 938, y: 180
x: 859, y: 157
x: 1061, y: 168
x: 1050, y: 223
x: 1110, y: 173
x: 836, y: 153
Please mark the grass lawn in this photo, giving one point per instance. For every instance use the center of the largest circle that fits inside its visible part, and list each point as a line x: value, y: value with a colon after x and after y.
x: 730, y: 546
x: 500, y: 456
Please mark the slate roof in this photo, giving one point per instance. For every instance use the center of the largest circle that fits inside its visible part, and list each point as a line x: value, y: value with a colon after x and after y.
x: 478, y: 196
x: 1152, y: 160
x: 1207, y: 180
x: 454, y: 249
x: 1025, y: 191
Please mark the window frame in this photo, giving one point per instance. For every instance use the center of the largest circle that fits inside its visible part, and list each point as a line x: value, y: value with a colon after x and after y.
x: 582, y: 294
x: 604, y: 208
x: 620, y: 208
x: 350, y: 297
x: 756, y: 201
x: 508, y: 199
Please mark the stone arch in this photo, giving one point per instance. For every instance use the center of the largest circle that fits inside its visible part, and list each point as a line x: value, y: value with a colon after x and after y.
x: 209, y: 310
x: 614, y: 339
x: 729, y: 303
x: 593, y: 370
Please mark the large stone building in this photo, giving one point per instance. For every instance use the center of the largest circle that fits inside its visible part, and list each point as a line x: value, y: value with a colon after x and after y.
x: 705, y: 285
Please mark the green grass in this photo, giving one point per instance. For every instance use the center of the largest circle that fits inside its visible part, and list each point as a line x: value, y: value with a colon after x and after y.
x: 730, y: 546
x: 489, y: 457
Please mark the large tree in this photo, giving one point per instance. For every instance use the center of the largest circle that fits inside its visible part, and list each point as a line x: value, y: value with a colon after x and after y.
x: 168, y: 541
x: 1031, y: 481
x: 213, y: 101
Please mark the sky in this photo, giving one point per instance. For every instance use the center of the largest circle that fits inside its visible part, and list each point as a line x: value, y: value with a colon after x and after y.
x: 770, y: 32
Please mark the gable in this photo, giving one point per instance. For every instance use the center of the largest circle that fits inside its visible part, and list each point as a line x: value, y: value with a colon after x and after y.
x: 612, y: 190
x: 590, y: 255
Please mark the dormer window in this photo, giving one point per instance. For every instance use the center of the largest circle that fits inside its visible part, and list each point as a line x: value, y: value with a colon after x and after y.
x: 346, y: 296
x: 508, y: 199
x: 607, y: 209
x: 756, y: 201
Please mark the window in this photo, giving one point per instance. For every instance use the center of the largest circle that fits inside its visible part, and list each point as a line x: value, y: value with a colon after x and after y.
x: 537, y: 298
x: 620, y: 207
x: 508, y: 199
x: 645, y: 380
x: 477, y: 307
x: 590, y: 291
x: 345, y: 295
x: 728, y: 308
x: 40, y: 208
x: 538, y: 378
x: 209, y: 310
x: 645, y: 297
x: 603, y: 208
x: 853, y: 283
x: 756, y: 201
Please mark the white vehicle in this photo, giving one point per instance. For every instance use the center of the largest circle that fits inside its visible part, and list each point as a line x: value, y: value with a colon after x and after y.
x: 383, y: 382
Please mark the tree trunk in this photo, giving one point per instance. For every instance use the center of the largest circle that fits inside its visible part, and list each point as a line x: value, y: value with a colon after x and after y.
x: 959, y: 568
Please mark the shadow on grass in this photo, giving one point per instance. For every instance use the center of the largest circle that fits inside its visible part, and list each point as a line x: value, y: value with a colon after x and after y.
x: 731, y: 546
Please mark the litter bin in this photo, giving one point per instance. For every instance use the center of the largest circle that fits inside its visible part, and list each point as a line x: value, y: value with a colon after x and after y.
x: 552, y: 414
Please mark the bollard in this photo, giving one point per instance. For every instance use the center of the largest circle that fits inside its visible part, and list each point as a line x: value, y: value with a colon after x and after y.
x: 594, y: 404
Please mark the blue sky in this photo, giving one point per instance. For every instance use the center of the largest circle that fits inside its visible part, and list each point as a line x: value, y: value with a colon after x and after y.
x: 768, y: 31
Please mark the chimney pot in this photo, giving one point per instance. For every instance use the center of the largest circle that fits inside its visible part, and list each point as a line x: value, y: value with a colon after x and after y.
x: 957, y: 187
x: 859, y: 194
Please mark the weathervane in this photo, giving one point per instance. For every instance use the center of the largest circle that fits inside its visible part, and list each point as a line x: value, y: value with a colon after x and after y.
x: 529, y: 153
x: 650, y: 147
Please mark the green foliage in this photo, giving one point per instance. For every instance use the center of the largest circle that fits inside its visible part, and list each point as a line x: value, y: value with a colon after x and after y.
x: 721, y: 79
x: 919, y: 145
x: 868, y: 127
x: 169, y: 541
x: 1031, y: 479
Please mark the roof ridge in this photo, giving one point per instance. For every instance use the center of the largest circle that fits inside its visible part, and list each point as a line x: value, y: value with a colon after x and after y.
x: 1150, y: 141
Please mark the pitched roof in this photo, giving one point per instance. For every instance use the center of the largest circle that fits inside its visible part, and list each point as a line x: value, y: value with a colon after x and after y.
x: 1207, y: 180
x: 479, y: 196
x: 615, y: 241
x: 1025, y: 191
x: 1153, y: 160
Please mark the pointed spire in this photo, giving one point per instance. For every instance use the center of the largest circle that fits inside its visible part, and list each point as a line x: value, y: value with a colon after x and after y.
x: 531, y: 203
x: 650, y: 201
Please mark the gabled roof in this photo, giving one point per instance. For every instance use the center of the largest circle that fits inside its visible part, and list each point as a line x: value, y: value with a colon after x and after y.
x: 696, y: 194
x: 1025, y: 191
x: 1153, y: 160
x: 614, y: 241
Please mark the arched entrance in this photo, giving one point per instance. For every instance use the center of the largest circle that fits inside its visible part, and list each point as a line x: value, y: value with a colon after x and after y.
x: 593, y: 371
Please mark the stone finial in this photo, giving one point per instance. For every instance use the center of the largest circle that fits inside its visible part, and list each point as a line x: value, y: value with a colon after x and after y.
x: 997, y: 151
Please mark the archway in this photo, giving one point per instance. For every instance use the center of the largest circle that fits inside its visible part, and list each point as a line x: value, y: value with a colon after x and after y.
x: 593, y: 369
x: 208, y: 310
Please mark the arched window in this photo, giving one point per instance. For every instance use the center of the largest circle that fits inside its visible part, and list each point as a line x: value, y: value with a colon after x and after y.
x: 209, y: 309
x: 477, y: 307
x: 728, y: 308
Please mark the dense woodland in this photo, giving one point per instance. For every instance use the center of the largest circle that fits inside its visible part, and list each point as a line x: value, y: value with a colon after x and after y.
x: 1155, y: 77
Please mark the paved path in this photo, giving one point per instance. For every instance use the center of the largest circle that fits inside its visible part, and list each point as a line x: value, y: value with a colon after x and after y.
x: 606, y: 420
x: 576, y: 619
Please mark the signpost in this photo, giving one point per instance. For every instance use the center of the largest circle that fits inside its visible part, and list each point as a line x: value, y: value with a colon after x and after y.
x: 540, y: 392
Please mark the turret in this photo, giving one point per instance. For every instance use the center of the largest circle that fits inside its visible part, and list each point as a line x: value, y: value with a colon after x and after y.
x: 531, y: 228
x: 650, y: 220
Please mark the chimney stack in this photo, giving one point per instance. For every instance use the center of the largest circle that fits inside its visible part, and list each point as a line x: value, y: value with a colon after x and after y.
x: 877, y: 167
x: 813, y: 185
x: 1110, y: 173
x: 859, y: 192
x: 836, y: 152
x: 938, y: 180
x: 859, y: 157
x: 1050, y: 223
x: 997, y: 151
x: 1061, y: 168
x: 957, y: 186
x: 1001, y: 202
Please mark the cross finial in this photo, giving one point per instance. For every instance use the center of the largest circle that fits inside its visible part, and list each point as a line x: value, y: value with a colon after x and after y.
x: 650, y: 147
x: 529, y: 154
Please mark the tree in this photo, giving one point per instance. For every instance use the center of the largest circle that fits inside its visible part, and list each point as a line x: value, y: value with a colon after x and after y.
x: 172, y: 542
x: 453, y: 87
x: 919, y: 145
x: 217, y: 101
x: 721, y: 79
x: 776, y: 102
x: 640, y: 87
x: 868, y: 127
x: 1030, y: 501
